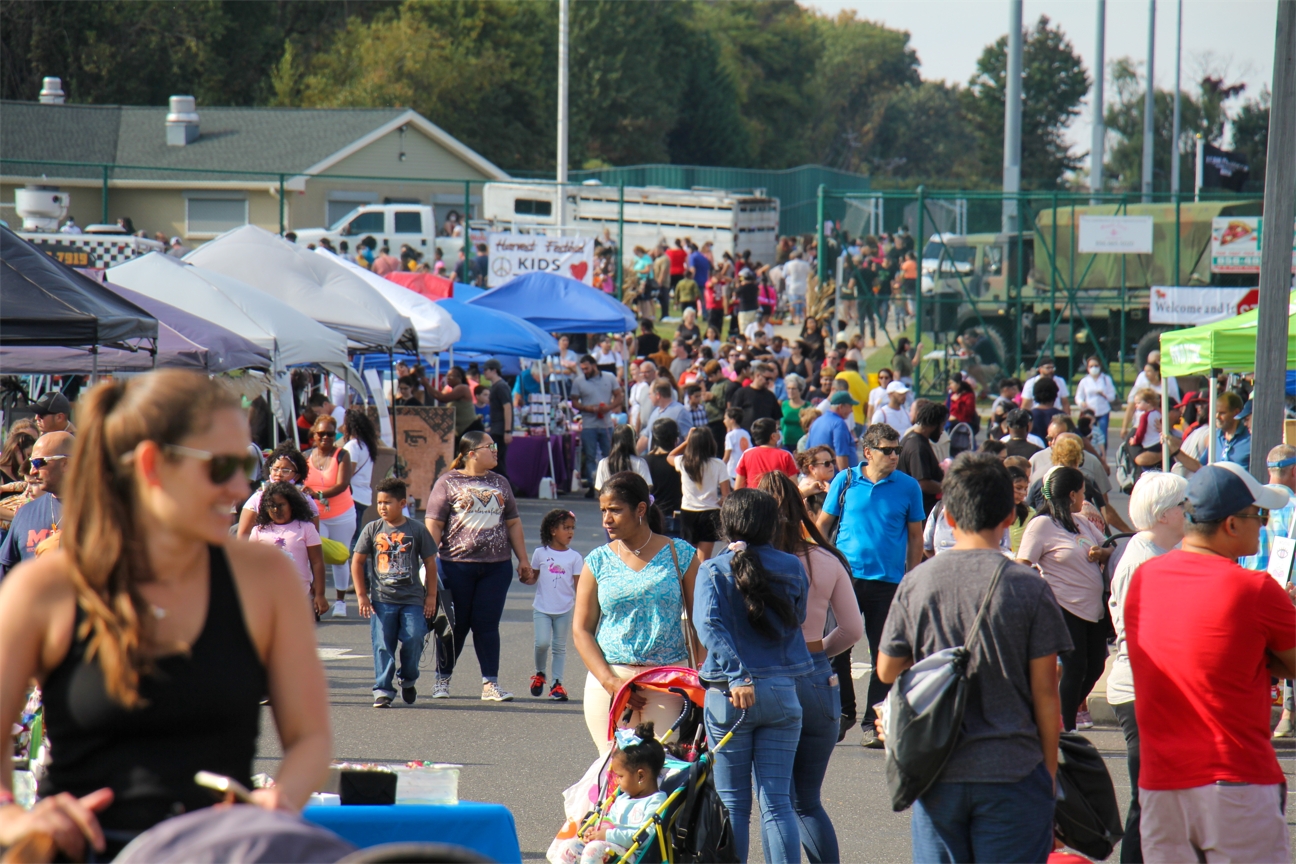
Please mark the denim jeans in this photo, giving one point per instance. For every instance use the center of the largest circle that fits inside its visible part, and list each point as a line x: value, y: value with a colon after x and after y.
x: 551, y: 633
x: 479, y: 590
x: 390, y: 623
x: 764, y: 744
x: 1131, y: 851
x: 821, y: 707
x: 1001, y: 822
x: 1101, y: 428
x: 595, y: 444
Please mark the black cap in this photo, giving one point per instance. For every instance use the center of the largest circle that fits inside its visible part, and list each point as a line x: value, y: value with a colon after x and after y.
x: 492, y: 363
x: 52, y: 403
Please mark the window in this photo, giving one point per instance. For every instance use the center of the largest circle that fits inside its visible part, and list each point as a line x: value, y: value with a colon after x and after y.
x: 365, y: 223
x: 212, y: 216
x: 337, y: 211
x: 532, y: 207
x: 409, y: 222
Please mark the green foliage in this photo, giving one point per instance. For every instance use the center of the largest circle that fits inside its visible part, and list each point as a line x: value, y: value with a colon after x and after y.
x: 1251, y: 136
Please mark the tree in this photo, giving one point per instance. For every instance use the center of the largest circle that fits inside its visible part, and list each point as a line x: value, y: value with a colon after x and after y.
x: 921, y: 135
x: 1251, y: 137
x: 1054, y: 83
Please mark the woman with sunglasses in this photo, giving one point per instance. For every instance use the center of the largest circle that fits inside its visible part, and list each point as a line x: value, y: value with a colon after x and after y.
x: 328, y: 475
x: 475, y: 523
x: 154, y: 636
x: 286, y: 464
x: 818, y: 468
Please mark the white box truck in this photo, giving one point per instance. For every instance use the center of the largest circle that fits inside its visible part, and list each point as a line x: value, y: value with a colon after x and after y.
x: 732, y: 222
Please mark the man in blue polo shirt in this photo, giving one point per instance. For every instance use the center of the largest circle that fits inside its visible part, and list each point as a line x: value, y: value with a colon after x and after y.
x: 833, y: 429
x: 881, y: 516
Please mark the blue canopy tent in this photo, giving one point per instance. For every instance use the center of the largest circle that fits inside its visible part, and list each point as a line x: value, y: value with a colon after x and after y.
x: 557, y: 304
x: 488, y: 330
x: 467, y: 292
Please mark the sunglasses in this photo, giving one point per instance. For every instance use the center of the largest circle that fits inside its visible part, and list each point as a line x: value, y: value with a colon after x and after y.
x: 494, y: 448
x: 219, y: 467
x: 39, y: 462
x: 827, y: 464
x: 886, y: 451
x: 1262, y: 516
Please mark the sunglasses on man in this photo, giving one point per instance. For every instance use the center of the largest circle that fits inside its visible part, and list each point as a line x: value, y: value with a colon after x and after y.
x: 39, y: 462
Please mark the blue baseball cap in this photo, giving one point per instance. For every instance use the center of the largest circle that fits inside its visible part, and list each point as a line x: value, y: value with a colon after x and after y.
x: 1223, y: 489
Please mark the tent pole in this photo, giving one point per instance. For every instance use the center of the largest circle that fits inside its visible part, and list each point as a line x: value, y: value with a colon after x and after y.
x: 553, y: 475
x: 1213, y: 452
x: 391, y: 367
x: 94, y: 365
x: 1165, y: 427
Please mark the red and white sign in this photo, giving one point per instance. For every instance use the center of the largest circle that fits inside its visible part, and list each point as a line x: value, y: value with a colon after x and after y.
x: 514, y: 255
x: 1199, y: 305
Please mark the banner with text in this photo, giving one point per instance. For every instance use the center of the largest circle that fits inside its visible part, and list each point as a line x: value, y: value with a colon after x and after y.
x: 514, y: 255
x: 1122, y: 235
x: 1195, y: 306
x: 1235, y: 244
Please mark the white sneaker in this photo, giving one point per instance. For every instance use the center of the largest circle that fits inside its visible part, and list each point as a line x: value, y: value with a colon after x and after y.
x: 339, y: 609
x: 441, y: 689
x: 491, y: 692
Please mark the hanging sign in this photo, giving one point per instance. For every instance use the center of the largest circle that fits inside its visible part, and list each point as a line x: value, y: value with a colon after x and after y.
x: 1173, y: 305
x: 514, y: 255
x: 1122, y: 235
x: 1235, y: 244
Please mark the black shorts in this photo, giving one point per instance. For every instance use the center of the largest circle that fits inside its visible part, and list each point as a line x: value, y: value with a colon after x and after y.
x: 700, y: 526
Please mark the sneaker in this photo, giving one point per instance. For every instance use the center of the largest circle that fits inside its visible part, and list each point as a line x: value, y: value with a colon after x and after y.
x: 871, y: 741
x: 441, y: 689
x: 557, y: 693
x: 537, y: 683
x: 843, y: 727
x: 1083, y: 720
x: 491, y: 692
x: 1284, y: 728
x: 409, y: 694
x: 382, y: 701
x: 339, y: 609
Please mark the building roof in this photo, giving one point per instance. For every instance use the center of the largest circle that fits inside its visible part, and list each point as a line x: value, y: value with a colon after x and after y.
x: 293, y: 141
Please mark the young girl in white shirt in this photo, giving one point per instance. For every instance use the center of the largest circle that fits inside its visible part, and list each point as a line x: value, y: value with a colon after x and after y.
x: 557, y: 567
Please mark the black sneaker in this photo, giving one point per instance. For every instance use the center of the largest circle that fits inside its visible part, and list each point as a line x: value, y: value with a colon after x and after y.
x: 537, y: 683
x: 382, y: 702
x: 843, y: 726
x: 409, y: 694
x: 871, y: 741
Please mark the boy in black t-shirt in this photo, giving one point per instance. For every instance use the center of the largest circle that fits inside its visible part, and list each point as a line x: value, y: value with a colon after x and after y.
x: 385, y: 571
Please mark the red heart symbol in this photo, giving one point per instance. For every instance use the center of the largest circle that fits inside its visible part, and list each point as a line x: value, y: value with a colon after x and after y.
x: 578, y: 271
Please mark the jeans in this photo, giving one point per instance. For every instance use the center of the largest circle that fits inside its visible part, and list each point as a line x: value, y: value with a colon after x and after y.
x: 359, y: 515
x: 595, y: 445
x: 392, y: 622
x: 874, y: 597
x: 998, y: 822
x: 551, y: 633
x: 883, y: 310
x: 479, y: 590
x: 1082, y: 666
x: 1100, y: 432
x: 1132, y: 845
x: 821, y: 708
x: 867, y: 311
x: 764, y: 745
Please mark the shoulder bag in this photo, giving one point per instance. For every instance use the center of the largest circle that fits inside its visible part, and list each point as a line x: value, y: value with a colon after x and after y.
x: 925, y: 713
x: 690, y: 634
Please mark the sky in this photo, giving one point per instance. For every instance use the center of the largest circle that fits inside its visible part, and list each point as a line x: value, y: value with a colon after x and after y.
x: 1235, y: 37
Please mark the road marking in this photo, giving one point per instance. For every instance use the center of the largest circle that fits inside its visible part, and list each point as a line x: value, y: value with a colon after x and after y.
x: 327, y: 654
x: 859, y: 670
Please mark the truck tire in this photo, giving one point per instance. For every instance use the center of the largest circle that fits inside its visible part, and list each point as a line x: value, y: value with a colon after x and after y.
x: 1150, y: 342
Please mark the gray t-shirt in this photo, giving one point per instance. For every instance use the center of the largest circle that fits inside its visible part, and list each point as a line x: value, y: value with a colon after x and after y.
x: 934, y: 609
x: 392, y: 570
x: 595, y: 391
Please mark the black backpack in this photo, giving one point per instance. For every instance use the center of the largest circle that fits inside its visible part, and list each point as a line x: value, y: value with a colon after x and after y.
x: 1086, y: 815
x: 701, y: 831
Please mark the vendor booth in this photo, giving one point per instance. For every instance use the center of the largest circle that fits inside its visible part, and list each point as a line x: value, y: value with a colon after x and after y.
x: 436, y: 330
x: 557, y: 304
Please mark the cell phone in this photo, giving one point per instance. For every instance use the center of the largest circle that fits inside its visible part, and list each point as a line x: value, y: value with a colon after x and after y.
x: 223, y: 785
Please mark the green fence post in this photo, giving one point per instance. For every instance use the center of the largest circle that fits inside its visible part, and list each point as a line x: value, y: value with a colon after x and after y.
x: 467, y: 249
x: 621, y: 237
x: 281, y: 205
x: 820, y: 260
x: 918, y: 299
x: 104, y: 220
x: 1177, y: 233
x: 1053, y: 313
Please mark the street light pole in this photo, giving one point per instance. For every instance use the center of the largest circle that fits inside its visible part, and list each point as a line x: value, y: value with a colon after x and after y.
x: 564, y: 27
x: 1174, y: 136
x: 1012, y: 118
x: 1149, y: 106
x: 1099, y: 130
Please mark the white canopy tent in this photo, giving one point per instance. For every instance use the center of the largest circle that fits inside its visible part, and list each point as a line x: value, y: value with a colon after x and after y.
x: 437, y: 331
x: 292, y: 338
x: 311, y: 284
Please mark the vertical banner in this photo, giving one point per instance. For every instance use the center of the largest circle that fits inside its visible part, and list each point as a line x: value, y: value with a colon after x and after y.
x: 514, y: 255
x: 424, y: 448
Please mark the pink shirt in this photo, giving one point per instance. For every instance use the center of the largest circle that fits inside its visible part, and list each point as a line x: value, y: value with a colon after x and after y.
x: 830, y: 585
x: 293, y: 539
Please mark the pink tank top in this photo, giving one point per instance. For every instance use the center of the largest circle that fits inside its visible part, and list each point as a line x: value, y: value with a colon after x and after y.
x: 316, y: 480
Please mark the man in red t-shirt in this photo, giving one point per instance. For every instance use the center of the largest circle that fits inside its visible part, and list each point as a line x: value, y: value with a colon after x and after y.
x: 764, y: 457
x: 678, y: 255
x: 1204, y: 636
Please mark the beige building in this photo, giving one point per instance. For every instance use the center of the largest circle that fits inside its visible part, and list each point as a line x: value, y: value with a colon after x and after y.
x: 196, y: 172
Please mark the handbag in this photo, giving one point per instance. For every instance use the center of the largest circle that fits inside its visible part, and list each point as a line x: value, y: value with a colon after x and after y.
x: 690, y: 634
x: 925, y: 713
x: 335, y: 551
x: 1086, y: 814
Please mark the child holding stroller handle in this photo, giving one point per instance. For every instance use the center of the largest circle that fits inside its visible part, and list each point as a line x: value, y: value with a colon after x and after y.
x: 555, y: 568
x: 636, y: 764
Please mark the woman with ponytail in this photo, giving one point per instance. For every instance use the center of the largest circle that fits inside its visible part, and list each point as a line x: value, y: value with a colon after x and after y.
x: 751, y: 604
x: 1069, y: 553
x: 153, y: 634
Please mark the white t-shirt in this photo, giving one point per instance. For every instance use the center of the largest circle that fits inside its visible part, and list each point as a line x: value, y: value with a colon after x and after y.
x: 611, y: 358
x: 1120, y: 681
x: 1196, y: 445
x: 1031, y: 437
x: 254, y: 502
x: 796, y: 274
x: 1028, y: 391
x: 898, y: 418
x: 877, y: 396
x: 705, y: 495
x: 1152, y: 435
x: 1096, y: 394
x: 362, y: 475
x: 638, y: 465
x: 733, y: 444
x: 1141, y: 381
x: 556, y: 583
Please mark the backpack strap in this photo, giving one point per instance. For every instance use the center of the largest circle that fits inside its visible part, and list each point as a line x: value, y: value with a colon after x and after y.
x: 971, y: 642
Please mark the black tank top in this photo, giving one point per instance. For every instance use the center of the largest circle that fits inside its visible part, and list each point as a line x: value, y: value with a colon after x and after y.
x: 201, y: 712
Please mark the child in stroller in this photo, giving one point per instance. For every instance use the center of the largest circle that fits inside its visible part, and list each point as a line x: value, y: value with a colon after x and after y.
x: 636, y: 763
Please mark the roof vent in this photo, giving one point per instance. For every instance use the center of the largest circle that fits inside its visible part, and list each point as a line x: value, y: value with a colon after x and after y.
x: 52, y: 91
x: 182, y: 122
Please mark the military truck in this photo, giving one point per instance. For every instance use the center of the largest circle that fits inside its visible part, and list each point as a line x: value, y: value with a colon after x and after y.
x: 972, y: 291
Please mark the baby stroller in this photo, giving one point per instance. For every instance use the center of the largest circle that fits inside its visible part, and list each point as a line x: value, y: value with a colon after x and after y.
x: 692, y: 825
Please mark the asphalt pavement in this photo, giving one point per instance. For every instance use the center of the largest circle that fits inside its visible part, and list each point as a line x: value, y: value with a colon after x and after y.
x: 524, y: 753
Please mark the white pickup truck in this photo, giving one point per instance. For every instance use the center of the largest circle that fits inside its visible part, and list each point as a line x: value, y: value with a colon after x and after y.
x: 412, y: 225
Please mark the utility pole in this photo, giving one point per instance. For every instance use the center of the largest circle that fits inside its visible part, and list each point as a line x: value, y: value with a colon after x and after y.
x: 1012, y: 118
x: 1099, y: 129
x: 1174, y: 137
x: 1149, y: 106
x: 564, y: 28
x: 1276, y: 248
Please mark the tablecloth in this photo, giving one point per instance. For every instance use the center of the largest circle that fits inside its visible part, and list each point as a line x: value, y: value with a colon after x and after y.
x: 528, y: 462
x: 484, y: 828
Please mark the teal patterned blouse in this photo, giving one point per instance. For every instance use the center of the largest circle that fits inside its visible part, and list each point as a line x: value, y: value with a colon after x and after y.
x: 640, y: 623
